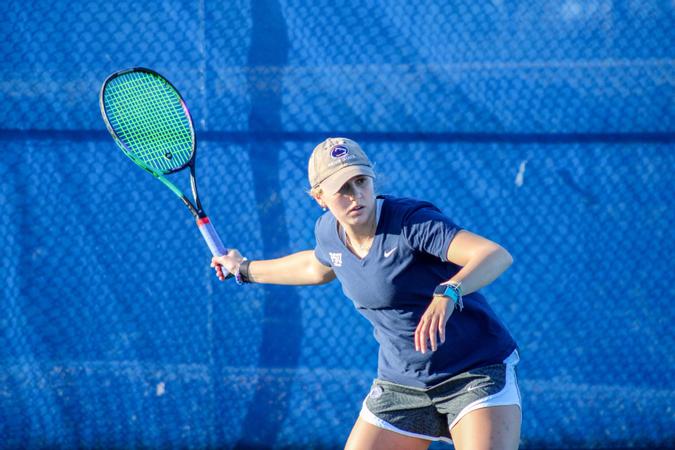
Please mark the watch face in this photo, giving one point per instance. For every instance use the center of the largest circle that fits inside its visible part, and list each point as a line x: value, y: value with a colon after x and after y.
x: 447, y: 290
x: 440, y: 290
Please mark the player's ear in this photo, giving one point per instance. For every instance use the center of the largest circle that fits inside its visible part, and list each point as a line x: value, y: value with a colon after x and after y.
x: 321, y: 203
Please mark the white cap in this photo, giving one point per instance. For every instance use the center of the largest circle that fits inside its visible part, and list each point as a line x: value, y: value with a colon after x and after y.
x: 334, y: 162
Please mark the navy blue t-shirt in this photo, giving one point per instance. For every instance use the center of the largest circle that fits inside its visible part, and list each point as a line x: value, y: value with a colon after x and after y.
x: 393, y: 285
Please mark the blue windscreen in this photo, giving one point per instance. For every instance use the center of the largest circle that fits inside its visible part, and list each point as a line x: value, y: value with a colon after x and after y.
x: 547, y: 127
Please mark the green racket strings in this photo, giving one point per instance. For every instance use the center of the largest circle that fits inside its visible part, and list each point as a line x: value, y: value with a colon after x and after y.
x: 148, y: 118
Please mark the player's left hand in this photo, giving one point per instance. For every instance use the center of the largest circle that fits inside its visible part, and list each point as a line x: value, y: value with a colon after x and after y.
x: 432, y: 323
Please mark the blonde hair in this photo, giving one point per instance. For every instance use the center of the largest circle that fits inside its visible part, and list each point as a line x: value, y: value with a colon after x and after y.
x: 314, y: 192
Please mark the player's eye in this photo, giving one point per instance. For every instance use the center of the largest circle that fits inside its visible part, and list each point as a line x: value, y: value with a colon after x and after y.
x: 344, y: 190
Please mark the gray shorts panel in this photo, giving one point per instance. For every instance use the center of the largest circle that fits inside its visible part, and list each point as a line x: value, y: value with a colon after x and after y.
x: 430, y: 411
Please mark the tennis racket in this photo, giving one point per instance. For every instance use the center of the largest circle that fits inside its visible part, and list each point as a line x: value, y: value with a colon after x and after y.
x: 150, y: 122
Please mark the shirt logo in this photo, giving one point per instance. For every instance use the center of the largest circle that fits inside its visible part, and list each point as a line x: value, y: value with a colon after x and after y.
x: 388, y: 253
x: 336, y: 259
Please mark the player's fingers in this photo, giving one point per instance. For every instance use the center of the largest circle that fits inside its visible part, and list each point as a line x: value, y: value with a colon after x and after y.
x: 422, y: 338
x: 220, y: 271
x: 419, y: 332
x: 441, y: 331
x: 433, y: 326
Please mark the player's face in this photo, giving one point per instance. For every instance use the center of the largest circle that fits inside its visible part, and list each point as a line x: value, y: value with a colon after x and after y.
x: 354, y: 203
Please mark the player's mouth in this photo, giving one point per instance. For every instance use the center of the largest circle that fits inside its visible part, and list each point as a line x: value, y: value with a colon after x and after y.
x: 356, y: 210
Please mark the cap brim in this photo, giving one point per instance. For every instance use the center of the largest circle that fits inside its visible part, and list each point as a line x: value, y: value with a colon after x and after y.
x: 332, y: 184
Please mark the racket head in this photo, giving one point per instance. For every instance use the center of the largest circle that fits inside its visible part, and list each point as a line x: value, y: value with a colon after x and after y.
x: 148, y: 119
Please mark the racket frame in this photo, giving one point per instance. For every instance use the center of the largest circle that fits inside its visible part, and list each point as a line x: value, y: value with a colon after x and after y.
x: 196, y: 209
x: 203, y: 223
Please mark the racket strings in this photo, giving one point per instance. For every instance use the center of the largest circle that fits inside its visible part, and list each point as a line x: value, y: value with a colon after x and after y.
x: 160, y: 113
x: 154, y: 126
x: 149, y: 118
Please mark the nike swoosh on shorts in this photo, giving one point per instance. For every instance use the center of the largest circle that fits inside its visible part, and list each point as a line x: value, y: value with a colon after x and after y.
x: 478, y: 386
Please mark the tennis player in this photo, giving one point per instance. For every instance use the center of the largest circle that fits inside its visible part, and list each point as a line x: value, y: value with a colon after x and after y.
x: 446, y: 368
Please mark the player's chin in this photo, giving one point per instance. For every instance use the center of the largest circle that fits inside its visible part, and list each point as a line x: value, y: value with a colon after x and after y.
x: 354, y: 220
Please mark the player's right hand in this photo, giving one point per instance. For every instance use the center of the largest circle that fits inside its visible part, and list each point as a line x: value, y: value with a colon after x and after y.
x: 227, y: 263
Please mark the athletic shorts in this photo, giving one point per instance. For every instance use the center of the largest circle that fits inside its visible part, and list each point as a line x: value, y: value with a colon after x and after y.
x: 430, y: 413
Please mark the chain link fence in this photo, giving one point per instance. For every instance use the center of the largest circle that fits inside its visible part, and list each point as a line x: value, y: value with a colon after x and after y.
x: 547, y: 127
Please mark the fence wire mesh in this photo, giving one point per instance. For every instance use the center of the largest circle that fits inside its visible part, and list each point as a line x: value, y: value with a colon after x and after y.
x: 545, y: 126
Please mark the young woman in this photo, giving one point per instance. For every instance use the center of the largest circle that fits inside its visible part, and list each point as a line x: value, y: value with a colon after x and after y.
x: 446, y: 367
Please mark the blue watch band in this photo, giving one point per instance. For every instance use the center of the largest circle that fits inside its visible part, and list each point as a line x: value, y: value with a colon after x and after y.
x: 451, y: 290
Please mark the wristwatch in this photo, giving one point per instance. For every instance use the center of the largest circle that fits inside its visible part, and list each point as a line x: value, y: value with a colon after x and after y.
x: 452, y: 290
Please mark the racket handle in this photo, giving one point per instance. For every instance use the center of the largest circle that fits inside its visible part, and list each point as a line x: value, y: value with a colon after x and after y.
x: 211, y: 236
x: 212, y: 239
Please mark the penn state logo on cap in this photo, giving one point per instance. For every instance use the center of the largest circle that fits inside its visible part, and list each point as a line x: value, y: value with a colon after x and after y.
x: 339, y: 151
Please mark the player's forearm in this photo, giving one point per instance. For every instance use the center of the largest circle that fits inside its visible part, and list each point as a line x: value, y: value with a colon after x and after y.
x: 295, y: 269
x: 483, y: 268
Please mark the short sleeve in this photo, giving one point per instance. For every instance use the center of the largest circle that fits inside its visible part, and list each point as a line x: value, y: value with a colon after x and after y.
x: 319, y: 251
x: 428, y: 230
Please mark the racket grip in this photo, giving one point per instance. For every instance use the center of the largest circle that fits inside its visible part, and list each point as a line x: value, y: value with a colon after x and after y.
x: 211, y: 236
